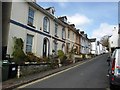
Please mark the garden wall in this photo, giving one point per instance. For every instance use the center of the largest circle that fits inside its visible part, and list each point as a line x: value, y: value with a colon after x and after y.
x: 33, y: 68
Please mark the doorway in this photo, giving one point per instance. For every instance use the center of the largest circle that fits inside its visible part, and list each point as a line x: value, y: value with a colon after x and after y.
x: 46, y: 47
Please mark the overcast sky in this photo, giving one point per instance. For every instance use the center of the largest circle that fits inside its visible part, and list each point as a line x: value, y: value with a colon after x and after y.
x: 95, y: 18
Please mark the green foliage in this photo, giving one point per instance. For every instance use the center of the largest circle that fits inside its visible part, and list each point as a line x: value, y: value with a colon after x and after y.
x: 70, y: 54
x: 32, y: 58
x: 83, y: 56
x: 46, y: 59
x: 62, y: 56
x: 18, y: 54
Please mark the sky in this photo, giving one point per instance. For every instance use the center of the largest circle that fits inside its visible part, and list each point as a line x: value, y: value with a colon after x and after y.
x: 95, y: 18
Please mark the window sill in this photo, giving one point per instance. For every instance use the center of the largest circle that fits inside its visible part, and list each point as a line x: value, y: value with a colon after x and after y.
x: 46, y: 32
x: 31, y: 25
x: 63, y: 38
x: 56, y: 36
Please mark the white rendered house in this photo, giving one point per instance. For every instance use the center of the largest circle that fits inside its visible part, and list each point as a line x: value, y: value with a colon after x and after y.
x: 40, y: 30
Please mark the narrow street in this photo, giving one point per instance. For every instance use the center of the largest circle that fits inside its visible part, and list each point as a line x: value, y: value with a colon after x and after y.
x: 91, y: 74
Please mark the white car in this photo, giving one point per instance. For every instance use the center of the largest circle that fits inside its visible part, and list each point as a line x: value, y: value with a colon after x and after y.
x: 114, y: 69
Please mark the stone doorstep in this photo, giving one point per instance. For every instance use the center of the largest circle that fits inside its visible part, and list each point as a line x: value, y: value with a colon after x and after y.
x: 13, y: 83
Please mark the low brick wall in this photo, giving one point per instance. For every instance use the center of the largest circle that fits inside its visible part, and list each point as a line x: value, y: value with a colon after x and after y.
x: 33, y: 68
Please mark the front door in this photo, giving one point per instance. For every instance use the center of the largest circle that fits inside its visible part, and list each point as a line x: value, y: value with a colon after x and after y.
x: 45, y: 48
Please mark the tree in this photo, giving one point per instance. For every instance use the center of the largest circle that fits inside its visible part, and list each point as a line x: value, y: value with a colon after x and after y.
x: 105, y: 40
x: 18, y: 54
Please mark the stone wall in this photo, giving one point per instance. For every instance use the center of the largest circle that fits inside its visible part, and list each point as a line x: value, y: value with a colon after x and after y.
x: 33, y: 68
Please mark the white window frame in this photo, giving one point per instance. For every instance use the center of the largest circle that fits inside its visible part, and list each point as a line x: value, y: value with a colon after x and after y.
x: 56, y: 29
x: 63, y: 33
x: 68, y: 33
x: 55, y: 46
x: 29, y: 44
x: 30, y: 16
x: 46, y: 24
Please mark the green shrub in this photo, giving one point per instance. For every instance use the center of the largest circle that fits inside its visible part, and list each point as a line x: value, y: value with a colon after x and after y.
x: 46, y: 59
x: 18, y: 54
x: 62, y: 56
x: 32, y: 58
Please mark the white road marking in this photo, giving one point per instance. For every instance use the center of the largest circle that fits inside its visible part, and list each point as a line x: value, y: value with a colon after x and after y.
x: 53, y: 75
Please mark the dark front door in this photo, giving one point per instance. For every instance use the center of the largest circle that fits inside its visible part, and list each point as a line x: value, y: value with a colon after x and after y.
x: 45, y: 48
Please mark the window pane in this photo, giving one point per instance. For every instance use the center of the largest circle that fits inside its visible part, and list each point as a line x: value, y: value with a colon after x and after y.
x: 30, y: 16
x: 46, y: 24
x: 55, y: 46
x: 29, y: 43
x: 31, y: 12
x: 28, y: 48
x: 113, y: 55
x: 29, y: 39
x: 30, y: 21
x: 68, y: 33
x: 56, y: 27
x: 63, y: 33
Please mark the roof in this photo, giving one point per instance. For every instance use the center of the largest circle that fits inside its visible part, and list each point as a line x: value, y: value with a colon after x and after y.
x: 38, y: 7
x: 92, y: 39
x: 62, y: 17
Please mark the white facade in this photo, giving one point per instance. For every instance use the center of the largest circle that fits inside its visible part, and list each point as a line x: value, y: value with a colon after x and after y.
x: 19, y: 28
x: 113, y: 40
x: 70, y: 39
x: 42, y: 32
x: 85, y: 44
x: 93, y: 48
x: 101, y: 49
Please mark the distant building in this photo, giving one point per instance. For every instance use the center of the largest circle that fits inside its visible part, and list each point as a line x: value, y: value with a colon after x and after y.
x: 102, y: 49
x: 114, y: 39
x: 84, y: 43
x: 94, y: 46
x: 72, y: 39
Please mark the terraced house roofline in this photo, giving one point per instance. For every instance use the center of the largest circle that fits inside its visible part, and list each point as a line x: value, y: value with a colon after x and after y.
x: 38, y: 7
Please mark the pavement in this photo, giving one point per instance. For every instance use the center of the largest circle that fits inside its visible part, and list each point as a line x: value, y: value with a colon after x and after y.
x: 16, y: 82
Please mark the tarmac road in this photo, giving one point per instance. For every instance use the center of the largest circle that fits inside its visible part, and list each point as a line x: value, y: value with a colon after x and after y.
x: 90, y: 74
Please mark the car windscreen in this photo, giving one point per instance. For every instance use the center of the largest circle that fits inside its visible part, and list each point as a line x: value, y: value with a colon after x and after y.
x: 113, y: 54
x: 119, y: 57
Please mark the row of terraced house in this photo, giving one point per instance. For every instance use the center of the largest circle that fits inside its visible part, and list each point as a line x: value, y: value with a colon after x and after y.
x: 41, y: 31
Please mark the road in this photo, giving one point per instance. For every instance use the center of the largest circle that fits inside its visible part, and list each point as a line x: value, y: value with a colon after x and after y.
x: 90, y: 74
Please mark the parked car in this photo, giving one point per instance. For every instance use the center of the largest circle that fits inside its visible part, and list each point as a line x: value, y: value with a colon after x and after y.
x: 114, y: 69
